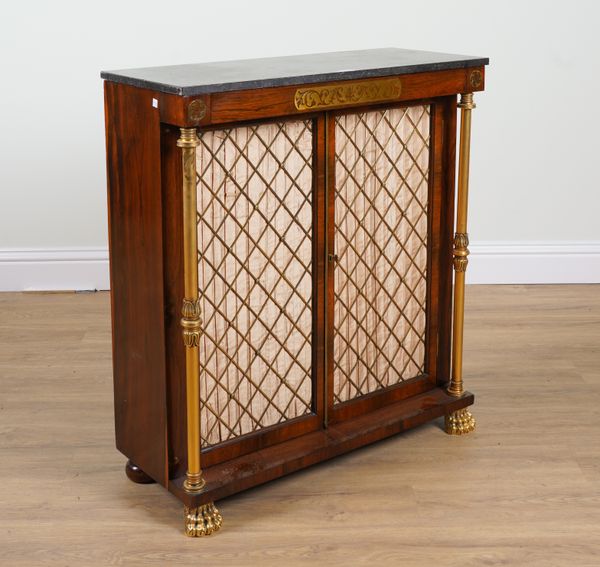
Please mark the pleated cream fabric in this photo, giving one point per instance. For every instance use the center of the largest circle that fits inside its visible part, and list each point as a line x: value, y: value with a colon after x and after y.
x: 254, y: 240
x: 255, y: 250
x: 382, y: 160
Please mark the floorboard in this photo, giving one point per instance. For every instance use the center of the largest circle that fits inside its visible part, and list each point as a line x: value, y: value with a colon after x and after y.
x: 524, y: 489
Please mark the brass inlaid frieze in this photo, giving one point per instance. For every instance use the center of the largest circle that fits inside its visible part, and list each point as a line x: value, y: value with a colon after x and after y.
x: 351, y: 93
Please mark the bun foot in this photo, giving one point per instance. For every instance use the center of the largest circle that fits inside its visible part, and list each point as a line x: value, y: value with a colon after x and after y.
x: 136, y: 474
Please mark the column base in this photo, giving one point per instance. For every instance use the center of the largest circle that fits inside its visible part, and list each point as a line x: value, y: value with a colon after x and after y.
x: 202, y: 521
x: 459, y: 422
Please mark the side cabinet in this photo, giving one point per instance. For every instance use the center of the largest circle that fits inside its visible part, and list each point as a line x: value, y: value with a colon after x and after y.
x: 282, y: 251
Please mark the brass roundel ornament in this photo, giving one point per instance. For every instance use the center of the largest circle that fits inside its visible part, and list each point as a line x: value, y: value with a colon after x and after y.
x: 476, y: 78
x: 196, y: 110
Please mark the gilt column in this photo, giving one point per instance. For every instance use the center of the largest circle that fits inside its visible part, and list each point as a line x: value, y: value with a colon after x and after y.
x: 460, y: 421
x: 205, y: 519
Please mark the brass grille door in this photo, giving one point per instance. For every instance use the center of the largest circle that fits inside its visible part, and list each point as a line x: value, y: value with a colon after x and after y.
x: 255, y: 277
x: 380, y: 239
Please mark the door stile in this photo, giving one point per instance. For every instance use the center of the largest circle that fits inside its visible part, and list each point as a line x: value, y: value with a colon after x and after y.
x: 434, y: 230
x: 319, y: 261
x: 446, y: 240
x: 330, y: 259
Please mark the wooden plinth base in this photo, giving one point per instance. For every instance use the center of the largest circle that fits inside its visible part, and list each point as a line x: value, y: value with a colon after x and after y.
x: 267, y: 464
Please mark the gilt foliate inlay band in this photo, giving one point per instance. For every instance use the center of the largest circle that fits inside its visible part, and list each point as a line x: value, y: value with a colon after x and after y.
x: 352, y: 93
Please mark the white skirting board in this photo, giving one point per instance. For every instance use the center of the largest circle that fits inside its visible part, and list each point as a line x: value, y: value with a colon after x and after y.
x: 534, y: 262
x: 489, y: 263
x: 52, y: 270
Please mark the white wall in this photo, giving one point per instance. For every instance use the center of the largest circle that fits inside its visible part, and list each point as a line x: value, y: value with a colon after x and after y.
x: 535, y: 195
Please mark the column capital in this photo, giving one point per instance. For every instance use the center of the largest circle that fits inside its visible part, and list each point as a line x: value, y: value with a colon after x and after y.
x: 188, y: 138
x: 466, y: 101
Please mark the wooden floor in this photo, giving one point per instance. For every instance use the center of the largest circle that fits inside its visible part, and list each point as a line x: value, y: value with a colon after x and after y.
x: 524, y: 489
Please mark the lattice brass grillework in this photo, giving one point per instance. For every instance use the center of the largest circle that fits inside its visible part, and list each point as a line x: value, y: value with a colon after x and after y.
x: 381, y: 199
x: 254, y: 261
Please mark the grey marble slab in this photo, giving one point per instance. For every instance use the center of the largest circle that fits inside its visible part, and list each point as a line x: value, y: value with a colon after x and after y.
x: 205, y: 78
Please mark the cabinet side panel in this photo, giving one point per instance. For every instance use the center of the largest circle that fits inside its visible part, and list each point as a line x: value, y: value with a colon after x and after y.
x: 136, y: 267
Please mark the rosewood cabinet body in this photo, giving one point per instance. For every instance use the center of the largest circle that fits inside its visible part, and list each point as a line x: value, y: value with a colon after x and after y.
x: 282, y: 250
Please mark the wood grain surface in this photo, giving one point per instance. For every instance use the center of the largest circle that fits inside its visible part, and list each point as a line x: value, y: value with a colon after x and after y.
x: 524, y: 489
x: 136, y: 256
